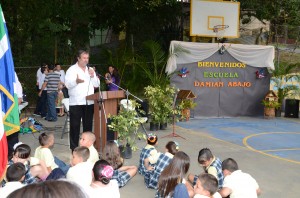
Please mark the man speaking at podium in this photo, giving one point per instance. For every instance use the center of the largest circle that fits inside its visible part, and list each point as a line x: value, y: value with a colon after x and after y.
x: 80, y: 81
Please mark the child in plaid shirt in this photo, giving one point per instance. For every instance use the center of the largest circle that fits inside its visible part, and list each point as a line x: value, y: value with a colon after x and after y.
x: 211, y: 165
x: 121, y: 173
x: 34, y: 167
x: 148, y: 155
x: 151, y: 177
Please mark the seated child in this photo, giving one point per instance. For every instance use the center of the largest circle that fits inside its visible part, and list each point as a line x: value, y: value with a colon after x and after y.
x: 44, y: 153
x: 35, y: 168
x: 121, y: 173
x: 210, y: 164
x: 149, y: 151
x: 206, y: 186
x: 15, y: 174
x: 87, y: 139
x: 103, y: 184
x: 81, y: 170
x: 152, y: 176
x: 237, y: 183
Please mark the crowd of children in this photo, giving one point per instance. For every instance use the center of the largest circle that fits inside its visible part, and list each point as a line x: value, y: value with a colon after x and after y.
x: 104, y: 174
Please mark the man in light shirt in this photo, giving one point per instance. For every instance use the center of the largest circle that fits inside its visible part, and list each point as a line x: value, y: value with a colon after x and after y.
x: 80, y: 81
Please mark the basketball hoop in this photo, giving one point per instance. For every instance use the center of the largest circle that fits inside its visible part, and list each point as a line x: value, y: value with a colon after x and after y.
x: 220, y: 31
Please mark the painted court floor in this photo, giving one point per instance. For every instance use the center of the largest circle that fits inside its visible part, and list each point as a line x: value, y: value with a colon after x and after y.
x: 278, y: 137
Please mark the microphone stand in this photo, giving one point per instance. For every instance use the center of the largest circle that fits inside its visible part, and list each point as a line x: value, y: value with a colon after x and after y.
x: 127, y: 93
x: 101, y: 108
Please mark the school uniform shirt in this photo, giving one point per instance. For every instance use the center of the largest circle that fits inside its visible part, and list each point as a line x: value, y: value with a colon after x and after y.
x: 111, y: 190
x: 78, y: 92
x: 9, y: 188
x: 242, y: 185
x: 122, y: 177
x: 81, y: 174
x: 146, y: 152
x: 216, y: 195
x: 45, y: 155
x: 151, y: 177
x: 94, y: 155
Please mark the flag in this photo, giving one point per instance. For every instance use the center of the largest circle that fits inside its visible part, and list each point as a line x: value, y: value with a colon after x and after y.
x: 9, y: 99
x: 3, y: 147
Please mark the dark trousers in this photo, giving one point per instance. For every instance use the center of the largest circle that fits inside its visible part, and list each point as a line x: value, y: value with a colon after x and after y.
x: 41, y: 105
x: 11, y: 141
x: 78, y: 112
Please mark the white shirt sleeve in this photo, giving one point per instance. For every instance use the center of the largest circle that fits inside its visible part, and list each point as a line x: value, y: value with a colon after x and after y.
x: 19, y: 89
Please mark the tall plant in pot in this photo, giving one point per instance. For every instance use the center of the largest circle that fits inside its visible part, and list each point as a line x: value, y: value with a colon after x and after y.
x: 285, y: 82
x: 186, y: 105
x: 126, y: 124
x: 160, y: 104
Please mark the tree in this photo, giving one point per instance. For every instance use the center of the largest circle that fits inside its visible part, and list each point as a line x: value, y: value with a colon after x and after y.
x: 141, y: 20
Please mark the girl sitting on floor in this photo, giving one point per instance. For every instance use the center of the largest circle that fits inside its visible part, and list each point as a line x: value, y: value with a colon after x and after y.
x: 121, y: 173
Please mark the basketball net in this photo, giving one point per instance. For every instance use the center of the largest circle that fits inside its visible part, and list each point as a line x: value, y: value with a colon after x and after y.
x: 220, y: 31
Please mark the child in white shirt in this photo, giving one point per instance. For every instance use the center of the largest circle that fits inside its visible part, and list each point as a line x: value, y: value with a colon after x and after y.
x: 206, y: 186
x: 81, y: 170
x: 87, y: 139
x: 103, y: 184
x: 15, y: 175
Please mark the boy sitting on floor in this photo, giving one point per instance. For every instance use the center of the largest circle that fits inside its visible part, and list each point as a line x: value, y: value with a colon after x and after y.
x: 87, y: 139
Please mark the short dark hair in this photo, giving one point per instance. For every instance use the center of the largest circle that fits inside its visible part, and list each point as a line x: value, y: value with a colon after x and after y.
x: 44, y: 138
x: 204, y: 155
x: 83, y: 152
x: 172, y: 147
x: 23, y: 151
x: 230, y: 164
x: 209, y: 182
x: 51, y: 67
x: 15, y: 172
x: 81, y: 51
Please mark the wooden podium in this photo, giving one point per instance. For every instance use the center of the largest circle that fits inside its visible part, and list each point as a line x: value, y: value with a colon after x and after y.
x: 110, y: 104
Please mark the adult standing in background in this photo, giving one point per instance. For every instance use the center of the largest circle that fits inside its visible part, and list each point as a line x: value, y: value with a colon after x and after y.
x: 80, y: 81
x: 52, y: 81
x: 113, y: 79
x: 41, y: 104
x: 61, y: 72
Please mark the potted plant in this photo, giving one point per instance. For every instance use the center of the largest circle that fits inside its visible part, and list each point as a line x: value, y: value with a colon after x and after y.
x: 270, y: 106
x: 186, y: 105
x: 160, y: 104
x: 126, y: 123
x: 285, y: 82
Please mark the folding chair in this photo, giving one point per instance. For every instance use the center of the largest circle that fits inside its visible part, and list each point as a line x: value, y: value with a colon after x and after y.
x: 65, y: 103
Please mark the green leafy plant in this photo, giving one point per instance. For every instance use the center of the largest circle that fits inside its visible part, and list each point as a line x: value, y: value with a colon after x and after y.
x: 161, y: 103
x: 282, y: 78
x: 271, y: 104
x: 126, y: 123
x: 152, y: 60
x: 187, y: 104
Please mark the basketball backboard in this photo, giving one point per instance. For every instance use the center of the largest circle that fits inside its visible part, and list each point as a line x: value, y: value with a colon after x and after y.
x: 205, y: 14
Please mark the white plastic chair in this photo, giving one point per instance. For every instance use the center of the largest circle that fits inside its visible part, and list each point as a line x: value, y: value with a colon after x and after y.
x: 65, y: 103
x: 127, y: 104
